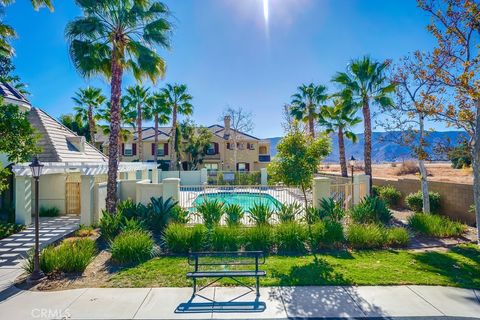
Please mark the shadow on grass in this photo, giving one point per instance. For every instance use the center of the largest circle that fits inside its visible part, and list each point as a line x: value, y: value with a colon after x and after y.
x: 317, y: 272
x: 462, y: 269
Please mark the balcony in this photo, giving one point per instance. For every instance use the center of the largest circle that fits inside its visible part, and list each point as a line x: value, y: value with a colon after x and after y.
x: 264, y: 158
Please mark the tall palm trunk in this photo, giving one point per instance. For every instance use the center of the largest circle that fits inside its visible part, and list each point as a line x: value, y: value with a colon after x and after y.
x: 155, y: 146
x: 139, y: 132
x: 116, y: 91
x: 341, y: 150
x: 423, y: 170
x: 91, y: 124
x: 476, y: 167
x: 367, y: 148
x: 173, y: 157
x: 311, y: 125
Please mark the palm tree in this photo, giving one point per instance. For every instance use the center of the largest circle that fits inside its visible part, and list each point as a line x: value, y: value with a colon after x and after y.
x: 137, y: 97
x: 366, y: 83
x: 112, y: 37
x: 339, y: 118
x: 178, y: 101
x: 37, y: 4
x: 158, y: 110
x: 306, y: 103
x: 88, y: 101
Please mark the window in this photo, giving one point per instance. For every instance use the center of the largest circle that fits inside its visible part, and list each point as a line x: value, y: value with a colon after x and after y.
x: 211, y: 166
x: 211, y: 149
x: 263, y: 150
x: 160, y: 150
x: 250, y: 146
x: 240, y: 146
x: 242, y: 166
x: 128, y: 151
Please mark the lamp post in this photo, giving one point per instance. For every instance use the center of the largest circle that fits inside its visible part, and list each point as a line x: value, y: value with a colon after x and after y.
x: 179, y: 166
x: 36, y: 168
x: 352, y: 163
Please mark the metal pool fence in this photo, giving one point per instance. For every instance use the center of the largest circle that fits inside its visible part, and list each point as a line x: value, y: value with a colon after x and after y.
x: 237, y: 178
x: 245, y: 196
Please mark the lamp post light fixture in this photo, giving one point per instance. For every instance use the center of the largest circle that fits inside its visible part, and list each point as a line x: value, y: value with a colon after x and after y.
x: 36, y: 168
x: 352, y: 163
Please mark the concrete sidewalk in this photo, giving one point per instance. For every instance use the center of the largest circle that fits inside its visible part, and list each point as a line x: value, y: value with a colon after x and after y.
x: 236, y: 303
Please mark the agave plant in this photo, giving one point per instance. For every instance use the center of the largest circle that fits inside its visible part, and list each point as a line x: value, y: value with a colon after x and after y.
x: 331, y: 209
x: 159, y: 213
x: 288, y: 212
x: 234, y: 214
x: 211, y: 212
x: 371, y: 210
x: 261, y: 213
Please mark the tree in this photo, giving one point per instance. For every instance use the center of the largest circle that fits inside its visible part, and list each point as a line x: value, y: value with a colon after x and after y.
x: 179, y: 101
x: 306, y: 103
x: 195, y: 143
x: 75, y: 124
x: 456, y: 62
x: 366, y: 83
x: 137, y: 97
x: 416, y: 99
x: 19, y: 139
x: 298, y: 157
x: 241, y: 121
x: 158, y: 110
x: 6, y: 75
x: 88, y: 101
x: 339, y: 118
x: 112, y: 37
x: 37, y: 4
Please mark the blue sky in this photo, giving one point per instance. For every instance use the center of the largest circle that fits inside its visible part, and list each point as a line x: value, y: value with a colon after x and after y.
x: 226, y: 52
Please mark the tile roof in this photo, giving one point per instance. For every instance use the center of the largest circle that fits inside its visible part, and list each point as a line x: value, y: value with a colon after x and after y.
x: 60, y: 144
x: 12, y: 95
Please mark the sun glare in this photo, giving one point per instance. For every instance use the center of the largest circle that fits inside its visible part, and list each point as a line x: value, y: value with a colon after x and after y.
x: 265, y: 10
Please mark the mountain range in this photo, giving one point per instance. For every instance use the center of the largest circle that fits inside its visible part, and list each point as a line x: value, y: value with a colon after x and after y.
x: 384, y: 149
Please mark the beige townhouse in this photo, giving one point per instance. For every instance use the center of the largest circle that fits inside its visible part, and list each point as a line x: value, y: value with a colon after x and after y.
x: 250, y: 154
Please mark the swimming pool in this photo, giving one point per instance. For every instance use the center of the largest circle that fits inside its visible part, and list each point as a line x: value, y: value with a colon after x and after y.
x: 245, y: 199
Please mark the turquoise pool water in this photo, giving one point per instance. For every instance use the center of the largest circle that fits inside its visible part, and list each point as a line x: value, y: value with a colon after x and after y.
x: 245, y: 199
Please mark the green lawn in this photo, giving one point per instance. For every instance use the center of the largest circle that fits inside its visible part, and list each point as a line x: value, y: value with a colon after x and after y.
x: 458, y: 267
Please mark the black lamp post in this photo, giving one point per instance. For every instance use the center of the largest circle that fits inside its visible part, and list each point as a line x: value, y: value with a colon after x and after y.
x: 36, y: 168
x: 352, y: 163
x: 179, y: 167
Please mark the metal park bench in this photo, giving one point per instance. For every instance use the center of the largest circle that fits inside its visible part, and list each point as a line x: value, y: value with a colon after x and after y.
x: 208, y: 264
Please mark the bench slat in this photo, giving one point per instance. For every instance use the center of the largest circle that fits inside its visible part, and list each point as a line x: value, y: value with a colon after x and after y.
x: 214, y: 274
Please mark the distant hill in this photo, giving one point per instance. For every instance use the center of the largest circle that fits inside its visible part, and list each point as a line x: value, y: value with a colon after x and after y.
x: 382, y: 150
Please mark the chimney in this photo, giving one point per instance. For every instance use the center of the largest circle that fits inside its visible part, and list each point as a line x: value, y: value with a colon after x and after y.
x: 78, y: 142
x: 227, y: 120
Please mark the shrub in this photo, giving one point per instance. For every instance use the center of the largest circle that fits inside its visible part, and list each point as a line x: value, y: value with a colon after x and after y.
x: 129, y: 209
x: 211, y: 212
x: 260, y: 237
x: 182, y: 239
x: 132, y: 246
x: 331, y: 209
x: 49, y: 212
x: 69, y: 256
x: 290, y: 237
x: 260, y: 213
x: 159, y: 213
x: 325, y: 234
x: 376, y: 190
x: 84, y: 231
x: 234, y: 214
x: 415, y: 201
x: 371, y: 210
x: 373, y: 236
x: 288, y: 212
x: 180, y: 215
x: 365, y: 236
x: 435, y: 225
x: 132, y: 225
x: 7, y: 229
x: 225, y: 238
x: 311, y: 215
x: 110, y: 225
x: 407, y: 167
x: 389, y: 194
x: 396, y: 237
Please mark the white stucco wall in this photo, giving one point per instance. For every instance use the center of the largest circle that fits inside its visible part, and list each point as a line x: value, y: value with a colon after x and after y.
x: 52, y: 191
x: 128, y: 190
x: 146, y: 190
x: 99, y: 203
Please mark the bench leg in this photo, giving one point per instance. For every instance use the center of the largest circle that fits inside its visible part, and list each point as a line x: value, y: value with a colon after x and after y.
x: 258, y: 286
x: 194, y: 286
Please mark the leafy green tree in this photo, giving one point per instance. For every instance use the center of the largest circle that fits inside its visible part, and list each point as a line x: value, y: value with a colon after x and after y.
x: 179, y: 101
x: 306, y: 103
x: 365, y: 81
x: 195, y: 143
x: 340, y: 118
x: 18, y: 138
x: 87, y: 102
x: 6, y: 75
x: 110, y: 38
x: 137, y: 97
x: 158, y: 110
x: 75, y: 124
x: 297, y: 159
